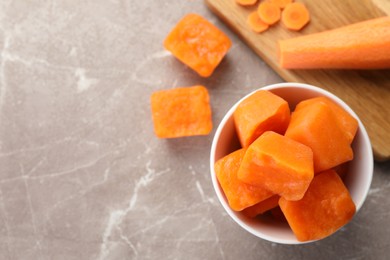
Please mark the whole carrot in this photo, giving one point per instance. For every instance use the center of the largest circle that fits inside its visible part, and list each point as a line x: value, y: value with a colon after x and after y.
x: 363, y: 45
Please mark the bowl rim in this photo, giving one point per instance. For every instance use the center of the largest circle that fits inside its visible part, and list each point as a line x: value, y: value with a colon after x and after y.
x: 227, y: 117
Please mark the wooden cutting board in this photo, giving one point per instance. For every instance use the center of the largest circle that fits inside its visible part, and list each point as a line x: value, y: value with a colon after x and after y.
x: 367, y: 92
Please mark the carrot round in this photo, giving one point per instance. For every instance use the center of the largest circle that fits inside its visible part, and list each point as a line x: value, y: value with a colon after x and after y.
x: 246, y: 2
x: 281, y: 3
x: 363, y: 45
x: 255, y: 23
x: 295, y: 16
x: 269, y: 12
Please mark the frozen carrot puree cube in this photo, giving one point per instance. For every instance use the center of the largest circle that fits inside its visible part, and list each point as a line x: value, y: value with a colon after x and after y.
x: 260, y: 112
x: 278, y: 164
x: 262, y: 206
x: 348, y: 123
x: 326, y: 207
x: 317, y: 127
x: 181, y: 112
x: 198, y: 44
x: 240, y: 195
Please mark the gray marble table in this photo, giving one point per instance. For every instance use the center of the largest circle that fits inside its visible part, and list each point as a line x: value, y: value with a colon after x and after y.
x: 82, y: 175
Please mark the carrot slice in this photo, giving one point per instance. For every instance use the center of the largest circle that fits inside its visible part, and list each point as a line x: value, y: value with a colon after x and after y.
x: 261, y: 207
x: 269, y: 12
x: 198, y: 44
x: 278, y: 164
x: 295, y: 16
x: 260, y: 112
x: 246, y: 2
x: 326, y: 207
x: 363, y: 45
x: 281, y: 3
x: 240, y: 195
x: 181, y: 112
x: 255, y: 23
x: 318, y: 128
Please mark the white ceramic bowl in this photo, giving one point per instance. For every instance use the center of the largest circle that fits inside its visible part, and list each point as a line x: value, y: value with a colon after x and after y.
x: 226, y: 141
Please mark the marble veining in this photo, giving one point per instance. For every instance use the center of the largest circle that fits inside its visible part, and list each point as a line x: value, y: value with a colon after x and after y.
x: 82, y: 175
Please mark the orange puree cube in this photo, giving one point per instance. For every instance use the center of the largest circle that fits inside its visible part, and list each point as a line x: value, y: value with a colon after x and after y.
x: 260, y: 112
x: 240, y: 195
x: 317, y: 127
x: 262, y: 206
x: 181, y: 112
x: 198, y: 44
x: 348, y: 123
x: 278, y: 164
x: 326, y: 207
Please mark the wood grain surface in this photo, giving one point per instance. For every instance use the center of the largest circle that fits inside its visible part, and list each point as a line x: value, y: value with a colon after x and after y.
x: 366, y: 91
